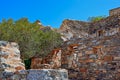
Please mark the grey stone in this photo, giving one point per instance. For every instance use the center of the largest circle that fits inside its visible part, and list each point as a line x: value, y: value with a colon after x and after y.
x: 3, y: 43
x: 47, y: 74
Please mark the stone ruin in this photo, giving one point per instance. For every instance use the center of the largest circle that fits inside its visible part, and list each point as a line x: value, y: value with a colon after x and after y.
x: 12, y: 68
x: 93, y: 59
x: 91, y: 50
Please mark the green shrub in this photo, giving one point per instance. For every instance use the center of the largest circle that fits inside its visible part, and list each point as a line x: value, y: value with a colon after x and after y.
x: 97, y: 18
x: 32, y: 40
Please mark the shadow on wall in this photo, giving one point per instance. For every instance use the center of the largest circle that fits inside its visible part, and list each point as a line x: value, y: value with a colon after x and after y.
x: 27, y: 63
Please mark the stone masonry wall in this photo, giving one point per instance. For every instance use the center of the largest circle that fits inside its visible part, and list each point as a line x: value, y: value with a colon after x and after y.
x: 93, y: 58
x: 71, y: 29
x: 105, y: 25
x: 52, y: 61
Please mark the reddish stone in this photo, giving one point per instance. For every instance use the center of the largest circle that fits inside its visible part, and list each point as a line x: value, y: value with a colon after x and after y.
x: 83, y: 70
x: 97, y: 72
x: 108, y: 58
x: 89, y: 60
x: 19, y: 68
x: 95, y: 48
x: 71, y: 47
x: 35, y: 61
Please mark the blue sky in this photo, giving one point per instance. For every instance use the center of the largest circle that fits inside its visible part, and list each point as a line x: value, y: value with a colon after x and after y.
x: 53, y: 12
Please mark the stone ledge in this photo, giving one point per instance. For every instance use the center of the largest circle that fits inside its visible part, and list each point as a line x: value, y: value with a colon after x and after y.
x: 36, y: 74
x: 47, y: 74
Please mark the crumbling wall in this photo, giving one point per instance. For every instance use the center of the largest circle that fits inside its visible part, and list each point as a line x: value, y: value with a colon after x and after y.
x: 105, y: 27
x: 93, y: 58
x: 10, y: 61
x: 91, y: 50
x: 51, y: 61
x: 78, y: 29
x: 10, y: 57
x: 12, y: 68
x: 73, y: 28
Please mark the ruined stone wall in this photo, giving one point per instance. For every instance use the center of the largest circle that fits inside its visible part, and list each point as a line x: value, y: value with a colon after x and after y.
x: 96, y: 57
x: 12, y: 68
x: 78, y: 29
x: 73, y: 28
x: 10, y: 57
x: 93, y: 58
x: 51, y: 61
x: 91, y: 50
x: 105, y: 27
x: 10, y: 61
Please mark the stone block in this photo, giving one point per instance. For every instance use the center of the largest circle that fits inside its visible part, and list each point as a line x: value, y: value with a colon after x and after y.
x: 83, y: 70
x: 116, y: 58
x: 47, y: 74
x: 19, y: 68
x: 108, y: 58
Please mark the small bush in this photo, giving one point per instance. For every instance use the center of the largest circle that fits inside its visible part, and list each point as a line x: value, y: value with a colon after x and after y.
x: 97, y: 18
